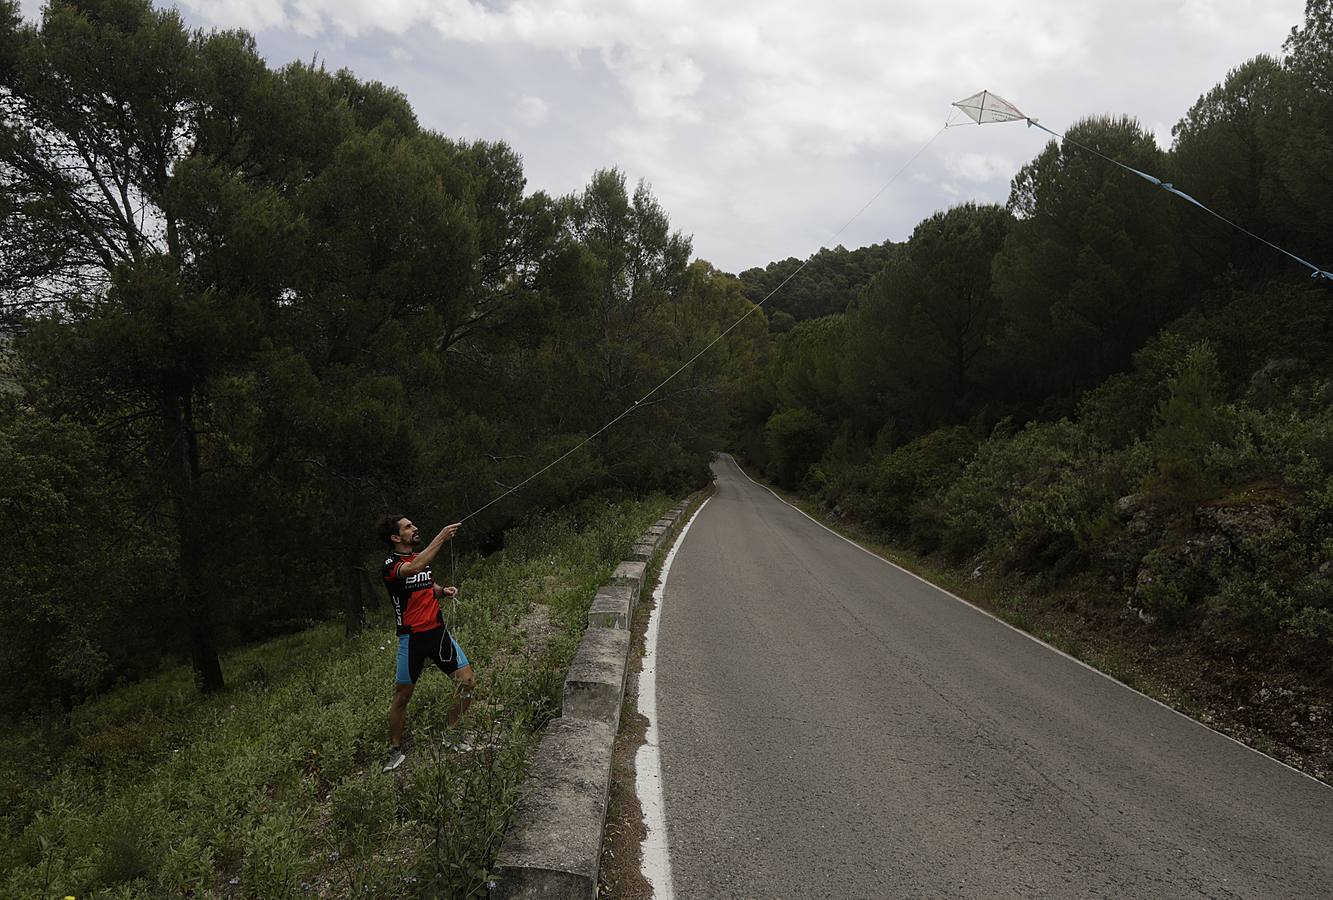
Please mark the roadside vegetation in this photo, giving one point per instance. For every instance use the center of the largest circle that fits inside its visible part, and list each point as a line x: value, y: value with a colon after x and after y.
x: 272, y: 788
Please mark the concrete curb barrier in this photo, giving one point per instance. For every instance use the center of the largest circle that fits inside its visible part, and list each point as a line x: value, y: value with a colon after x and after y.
x: 631, y: 574
x: 557, y: 850
x: 612, y: 607
x: 553, y: 846
x: 595, y: 685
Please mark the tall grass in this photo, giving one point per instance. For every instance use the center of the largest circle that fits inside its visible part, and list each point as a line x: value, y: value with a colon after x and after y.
x: 272, y: 789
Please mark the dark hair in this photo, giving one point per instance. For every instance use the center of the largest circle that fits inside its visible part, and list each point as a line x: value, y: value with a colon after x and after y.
x: 388, y: 526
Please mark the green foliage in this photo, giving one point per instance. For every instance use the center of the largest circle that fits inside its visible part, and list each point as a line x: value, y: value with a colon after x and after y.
x: 920, y: 334
x: 1006, y: 482
x: 1225, y: 151
x: 1189, y: 420
x: 71, y: 620
x: 903, y: 481
x: 1306, y: 144
x: 1088, y: 272
x: 796, y: 438
x: 807, y: 366
x: 1121, y: 408
x: 361, y: 814
x: 827, y: 285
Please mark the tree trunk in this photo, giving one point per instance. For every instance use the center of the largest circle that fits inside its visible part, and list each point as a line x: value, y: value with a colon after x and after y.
x: 369, y: 593
x: 204, y: 656
x: 181, y: 463
x: 354, y: 619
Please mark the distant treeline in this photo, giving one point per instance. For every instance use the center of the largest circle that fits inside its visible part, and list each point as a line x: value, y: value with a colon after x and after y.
x: 793, y: 290
x: 248, y: 309
x: 1100, y: 379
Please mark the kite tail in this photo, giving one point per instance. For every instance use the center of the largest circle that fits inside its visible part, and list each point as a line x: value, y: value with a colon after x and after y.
x: 1315, y: 271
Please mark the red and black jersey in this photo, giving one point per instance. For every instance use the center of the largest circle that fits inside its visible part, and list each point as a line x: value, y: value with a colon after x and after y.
x: 414, y: 605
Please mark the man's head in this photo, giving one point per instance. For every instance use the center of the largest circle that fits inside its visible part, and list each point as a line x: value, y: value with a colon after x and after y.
x: 397, y: 530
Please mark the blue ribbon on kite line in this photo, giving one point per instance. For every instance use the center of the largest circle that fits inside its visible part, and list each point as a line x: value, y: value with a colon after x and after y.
x: 1315, y: 271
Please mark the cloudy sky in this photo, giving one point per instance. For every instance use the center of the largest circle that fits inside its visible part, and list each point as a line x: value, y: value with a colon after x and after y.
x: 764, y: 126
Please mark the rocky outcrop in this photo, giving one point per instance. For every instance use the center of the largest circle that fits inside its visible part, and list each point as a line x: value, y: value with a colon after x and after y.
x: 1169, y: 562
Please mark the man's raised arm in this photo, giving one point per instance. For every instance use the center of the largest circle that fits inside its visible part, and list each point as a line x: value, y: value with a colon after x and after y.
x: 425, y: 556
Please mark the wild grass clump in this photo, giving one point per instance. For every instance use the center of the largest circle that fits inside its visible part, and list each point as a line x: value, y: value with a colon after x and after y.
x: 272, y: 789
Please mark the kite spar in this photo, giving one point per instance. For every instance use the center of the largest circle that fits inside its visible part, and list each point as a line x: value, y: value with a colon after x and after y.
x: 986, y: 108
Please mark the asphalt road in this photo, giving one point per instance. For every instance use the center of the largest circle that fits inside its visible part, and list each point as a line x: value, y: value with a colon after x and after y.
x: 833, y: 727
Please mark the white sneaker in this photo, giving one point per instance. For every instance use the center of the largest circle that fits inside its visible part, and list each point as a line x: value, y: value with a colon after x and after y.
x: 396, y: 758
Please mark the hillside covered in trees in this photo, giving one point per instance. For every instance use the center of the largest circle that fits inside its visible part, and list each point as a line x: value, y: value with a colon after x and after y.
x: 827, y: 283
x: 1097, y: 384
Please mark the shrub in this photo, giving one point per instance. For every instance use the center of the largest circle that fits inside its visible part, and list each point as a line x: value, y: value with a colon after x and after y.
x: 795, y: 439
x: 1187, y: 423
x: 276, y: 849
x: 186, y: 867
x: 126, y: 850
x: 1315, y: 626
x: 1121, y: 408
x: 360, y: 812
x: 1029, y: 488
x: 904, y: 478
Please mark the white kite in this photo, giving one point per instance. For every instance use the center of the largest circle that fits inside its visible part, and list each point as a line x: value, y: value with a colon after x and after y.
x: 984, y: 107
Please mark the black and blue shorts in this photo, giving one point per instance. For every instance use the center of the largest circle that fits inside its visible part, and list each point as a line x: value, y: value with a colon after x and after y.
x: 437, y: 644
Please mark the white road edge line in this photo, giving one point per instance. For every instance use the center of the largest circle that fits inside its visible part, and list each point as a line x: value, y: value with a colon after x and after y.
x: 654, y: 853
x: 970, y: 605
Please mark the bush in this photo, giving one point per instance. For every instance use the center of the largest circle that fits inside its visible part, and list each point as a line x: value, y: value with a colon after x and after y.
x: 1048, y: 486
x: 360, y: 812
x: 1188, y: 422
x: 1314, y: 626
x: 795, y: 439
x: 902, y: 480
x: 276, y: 847
x: 1120, y: 409
x: 64, y: 640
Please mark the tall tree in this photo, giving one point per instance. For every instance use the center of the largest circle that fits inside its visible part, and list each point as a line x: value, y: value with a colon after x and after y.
x: 945, y: 276
x: 106, y: 100
x: 1305, y: 149
x: 633, y: 268
x: 1225, y: 156
x: 1089, y: 269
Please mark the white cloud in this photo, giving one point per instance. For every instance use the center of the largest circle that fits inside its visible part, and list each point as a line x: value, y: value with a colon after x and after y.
x: 979, y: 167
x: 659, y: 84
x: 313, y: 17
x: 531, y: 111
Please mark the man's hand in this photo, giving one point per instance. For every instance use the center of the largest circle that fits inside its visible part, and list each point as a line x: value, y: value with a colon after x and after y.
x: 424, y: 558
x: 450, y: 591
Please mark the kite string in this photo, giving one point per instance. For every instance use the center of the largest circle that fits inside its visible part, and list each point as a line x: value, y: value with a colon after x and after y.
x: 1315, y: 272
x: 711, y: 343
